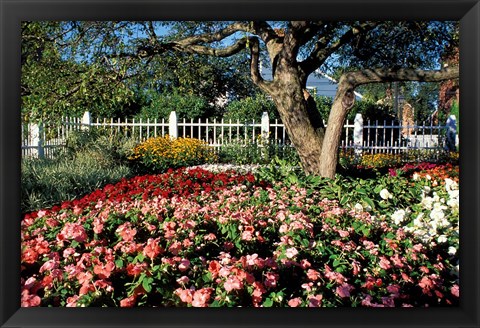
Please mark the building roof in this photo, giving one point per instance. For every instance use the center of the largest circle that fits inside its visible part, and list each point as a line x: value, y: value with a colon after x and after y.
x: 322, y: 83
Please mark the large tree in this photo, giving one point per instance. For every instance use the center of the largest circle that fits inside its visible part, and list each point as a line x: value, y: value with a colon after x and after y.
x: 358, y: 52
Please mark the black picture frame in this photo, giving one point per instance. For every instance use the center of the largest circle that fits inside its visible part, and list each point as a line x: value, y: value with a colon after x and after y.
x: 14, y: 11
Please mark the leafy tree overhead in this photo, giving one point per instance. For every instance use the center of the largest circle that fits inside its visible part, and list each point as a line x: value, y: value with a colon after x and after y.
x: 358, y: 53
x: 68, y: 67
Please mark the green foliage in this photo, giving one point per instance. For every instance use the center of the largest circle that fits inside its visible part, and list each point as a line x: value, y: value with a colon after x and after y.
x: 253, y: 153
x: 90, y: 161
x: 54, y: 84
x: 250, y: 109
x: 188, y: 106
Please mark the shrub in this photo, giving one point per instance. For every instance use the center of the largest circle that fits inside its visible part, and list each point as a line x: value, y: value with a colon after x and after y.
x: 250, y: 109
x: 241, y: 153
x: 162, y: 153
x: 185, y: 105
x: 91, y: 159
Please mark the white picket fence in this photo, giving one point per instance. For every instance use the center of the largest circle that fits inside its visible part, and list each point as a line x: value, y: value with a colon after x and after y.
x: 372, y: 137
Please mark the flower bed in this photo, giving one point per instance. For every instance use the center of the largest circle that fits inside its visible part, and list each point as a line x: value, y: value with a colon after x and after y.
x: 195, y: 238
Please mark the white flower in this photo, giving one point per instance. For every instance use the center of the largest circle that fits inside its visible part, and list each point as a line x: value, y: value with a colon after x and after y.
x: 452, y: 250
x: 427, y: 202
x: 417, y: 222
x: 428, y: 177
x: 437, y: 214
x: 385, y: 194
x: 416, y: 176
x: 358, y: 207
x: 442, y: 239
x: 450, y: 185
x: 398, y: 216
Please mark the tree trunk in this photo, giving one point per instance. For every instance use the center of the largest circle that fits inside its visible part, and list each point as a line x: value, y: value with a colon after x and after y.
x: 342, y: 103
x: 303, y: 125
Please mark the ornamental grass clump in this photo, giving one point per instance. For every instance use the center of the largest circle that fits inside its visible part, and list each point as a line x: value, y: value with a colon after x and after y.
x: 161, y: 153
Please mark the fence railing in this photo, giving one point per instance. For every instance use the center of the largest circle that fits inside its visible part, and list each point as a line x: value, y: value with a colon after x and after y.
x: 373, y: 137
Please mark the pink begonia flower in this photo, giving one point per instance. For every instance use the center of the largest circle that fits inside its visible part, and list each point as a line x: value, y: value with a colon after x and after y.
x: 68, y: 251
x: 313, y: 274
x: 186, y: 295
x: 201, y: 297
x: 295, y: 302
x: 48, y: 266
x: 388, y: 301
x: 315, y: 301
x: 213, y: 268
x: 304, y: 264
x: 183, y: 280
x: 283, y: 228
x: 184, y: 265
x: 84, y: 277
x: 152, y: 249
x: 104, y: 270
x: 175, y: 247
x: 129, y: 301
x: 397, y: 261
x: 251, y: 259
x: 455, y: 290
x: 393, y: 289
x: 30, y: 300
x: 307, y: 286
x: 343, y: 233
x: 72, y: 301
x: 126, y: 232
x: 384, y: 263
x: 187, y: 243
x: 291, y: 252
x: 232, y: 283
x: 344, y: 290
x: 86, y: 288
x: 271, y: 279
x: 210, y: 237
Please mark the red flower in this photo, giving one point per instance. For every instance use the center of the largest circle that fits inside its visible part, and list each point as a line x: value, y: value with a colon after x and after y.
x: 104, y: 270
x: 129, y: 301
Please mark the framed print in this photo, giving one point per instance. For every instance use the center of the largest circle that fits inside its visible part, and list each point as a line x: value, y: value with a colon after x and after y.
x: 283, y: 163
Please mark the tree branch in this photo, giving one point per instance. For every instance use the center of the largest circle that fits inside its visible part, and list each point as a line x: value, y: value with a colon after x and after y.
x: 254, y: 65
x: 322, y: 50
x: 402, y: 74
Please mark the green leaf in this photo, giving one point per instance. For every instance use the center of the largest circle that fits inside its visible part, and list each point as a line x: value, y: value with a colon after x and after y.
x: 119, y: 263
x: 369, y: 202
x: 268, y: 302
x: 147, y: 284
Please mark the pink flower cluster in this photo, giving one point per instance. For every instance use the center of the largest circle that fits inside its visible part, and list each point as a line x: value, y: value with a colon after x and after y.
x: 163, y: 241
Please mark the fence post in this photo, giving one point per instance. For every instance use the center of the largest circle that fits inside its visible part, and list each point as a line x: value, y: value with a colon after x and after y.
x: 36, y: 139
x: 451, y: 126
x: 265, y: 130
x: 86, y: 121
x: 173, y: 125
x: 358, y: 135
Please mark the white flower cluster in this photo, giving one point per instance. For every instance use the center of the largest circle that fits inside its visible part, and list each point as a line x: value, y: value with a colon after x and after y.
x: 216, y: 168
x: 435, y: 226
